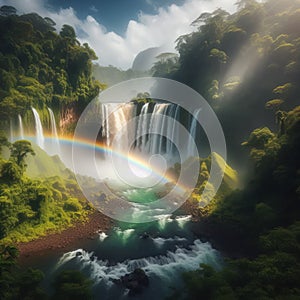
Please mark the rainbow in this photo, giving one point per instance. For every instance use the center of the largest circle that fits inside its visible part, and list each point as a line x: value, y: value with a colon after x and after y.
x: 132, y: 159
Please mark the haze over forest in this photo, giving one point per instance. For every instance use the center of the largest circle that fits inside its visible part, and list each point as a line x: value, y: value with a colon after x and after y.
x: 63, y: 236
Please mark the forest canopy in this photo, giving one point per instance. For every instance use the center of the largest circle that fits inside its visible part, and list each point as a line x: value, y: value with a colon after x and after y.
x: 242, y: 63
x: 42, y: 67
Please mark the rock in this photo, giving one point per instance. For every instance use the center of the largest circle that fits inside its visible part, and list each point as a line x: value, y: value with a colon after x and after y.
x: 135, y: 281
x: 78, y: 253
x: 93, y: 257
x: 145, y: 236
x: 115, y: 281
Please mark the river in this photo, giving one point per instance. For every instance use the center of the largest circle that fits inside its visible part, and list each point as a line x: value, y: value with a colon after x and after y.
x: 163, y: 249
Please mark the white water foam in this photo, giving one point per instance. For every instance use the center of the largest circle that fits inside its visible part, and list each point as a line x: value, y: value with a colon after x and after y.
x: 102, y: 236
x: 124, y: 234
x: 182, y: 220
x: 160, y: 242
x: 163, y: 266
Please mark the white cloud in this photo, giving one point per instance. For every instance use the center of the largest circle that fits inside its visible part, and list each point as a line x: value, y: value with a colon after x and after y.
x: 161, y: 29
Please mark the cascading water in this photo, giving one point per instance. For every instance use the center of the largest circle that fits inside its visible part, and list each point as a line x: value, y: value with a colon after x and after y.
x: 162, y: 118
x: 175, y: 130
x: 105, y: 124
x: 55, y: 139
x: 163, y: 254
x: 21, y: 129
x: 38, y: 129
x: 163, y: 127
x: 156, y: 123
x: 164, y: 248
x: 193, y: 132
x: 145, y: 124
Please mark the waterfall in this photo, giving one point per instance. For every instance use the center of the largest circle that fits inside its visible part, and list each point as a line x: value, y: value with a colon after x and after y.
x: 11, y: 133
x: 169, y: 127
x: 193, y: 131
x: 162, y: 118
x: 162, y: 131
x: 21, y: 127
x: 54, y: 134
x: 175, y: 130
x: 132, y: 130
x: 38, y: 129
x: 119, y: 123
x: 145, y: 125
x: 155, y: 126
x: 142, y: 127
x: 105, y: 125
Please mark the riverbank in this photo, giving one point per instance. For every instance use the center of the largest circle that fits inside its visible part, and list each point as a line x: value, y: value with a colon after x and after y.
x: 66, y: 240
x: 228, y: 242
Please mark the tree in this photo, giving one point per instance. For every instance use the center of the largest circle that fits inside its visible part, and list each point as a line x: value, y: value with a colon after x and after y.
x: 7, y: 10
x: 68, y: 32
x: 3, y: 141
x: 11, y: 172
x: 274, y: 104
x: 72, y: 285
x: 283, y: 90
x: 16, y: 283
x: 19, y: 151
x: 50, y: 21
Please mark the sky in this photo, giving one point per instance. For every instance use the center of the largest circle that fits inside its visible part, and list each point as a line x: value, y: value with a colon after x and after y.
x: 119, y: 29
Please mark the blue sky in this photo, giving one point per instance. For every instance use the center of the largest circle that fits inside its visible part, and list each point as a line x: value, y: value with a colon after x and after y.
x: 119, y: 29
x: 113, y: 14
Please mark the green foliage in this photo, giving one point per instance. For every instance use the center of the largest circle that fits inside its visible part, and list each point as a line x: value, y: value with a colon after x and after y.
x: 71, y: 285
x: 40, y: 68
x: 264, y: 221
x: 263, y: 143
x: 7, y: 10
x: 274, y: 104
x: 72, y: 204
x: 208, y: 283
x: 258, y: 45
x: 218, y: 55
x: 167, y: 63
x: 30, y: 208
x: 16, y: 283
x: 68, y: 32
x: 142, y: 98
x: 111, y: 75
x: 19, y: 151
x: 10, y: 172
x: 283, y: 90
x: 3, y: 141
x: 42, y: 165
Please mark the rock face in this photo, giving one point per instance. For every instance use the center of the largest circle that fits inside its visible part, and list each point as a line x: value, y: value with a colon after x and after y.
x: 135, y: 281
x: 145, y: 236
x: 69, y: 115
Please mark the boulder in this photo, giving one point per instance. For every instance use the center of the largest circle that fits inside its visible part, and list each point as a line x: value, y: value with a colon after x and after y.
x: 135, y: 281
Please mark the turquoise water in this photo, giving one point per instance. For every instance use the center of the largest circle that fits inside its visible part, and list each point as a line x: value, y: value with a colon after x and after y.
x: 163, y: 249
x: 141, y: 195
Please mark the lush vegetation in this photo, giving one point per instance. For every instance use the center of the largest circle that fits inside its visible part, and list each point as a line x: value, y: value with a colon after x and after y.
x: 38, y: 195
x: 17, y: 283
x: 261, y: 222
x: 111, y: 75
x: 40, y: 67
x: 34, y: 207
x: 240, y: 63
x: 248, y: 66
